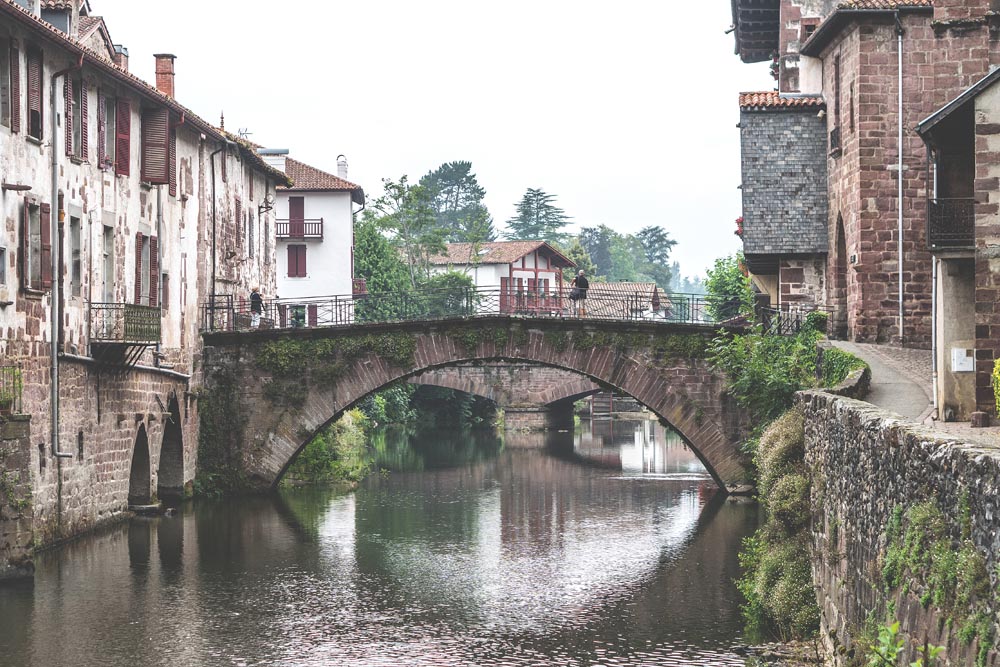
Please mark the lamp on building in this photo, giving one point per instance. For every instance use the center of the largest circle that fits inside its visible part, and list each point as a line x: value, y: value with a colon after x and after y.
x: 266, y: 205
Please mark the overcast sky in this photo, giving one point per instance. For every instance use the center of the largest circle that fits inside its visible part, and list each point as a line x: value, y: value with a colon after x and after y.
x: 625, y: 111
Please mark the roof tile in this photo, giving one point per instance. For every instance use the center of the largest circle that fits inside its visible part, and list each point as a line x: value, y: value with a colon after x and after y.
x: 305, y: 177
x: 883, y: 4
x: 772, y: 99
x: 495, y: 252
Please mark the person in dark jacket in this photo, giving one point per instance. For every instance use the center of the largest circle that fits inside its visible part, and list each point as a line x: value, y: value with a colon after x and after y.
x: 256, y: 307
x: 578, y: 295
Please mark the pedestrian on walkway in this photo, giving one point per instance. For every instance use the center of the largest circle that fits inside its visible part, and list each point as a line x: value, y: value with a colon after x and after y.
x: 578, y: 294
x: 256, y: 307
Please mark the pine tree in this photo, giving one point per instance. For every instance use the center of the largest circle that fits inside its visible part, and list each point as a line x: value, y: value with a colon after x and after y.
x: 537, y: 219
x: 457, y: 200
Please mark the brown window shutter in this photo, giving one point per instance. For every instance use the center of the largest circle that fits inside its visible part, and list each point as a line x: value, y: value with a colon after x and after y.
x: 45, y: 222
x: 138, y: 268
x: 172, y: 159
x: 156, y: 146
x: 68, y: 115
x: 35, y: 125
x: 25, y: 245
x: 292, y: 262
x: 154, y: 273
x: 123, y: 137
x: 302, y: 261
x: 15, y: 90
x: 102, y: 130
x: 84, y: 112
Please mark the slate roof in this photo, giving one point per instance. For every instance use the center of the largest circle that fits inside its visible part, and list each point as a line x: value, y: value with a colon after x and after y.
x: 498, y: 252
x: 14, y: 11
x: 768, y: 100
x: 307, y: 178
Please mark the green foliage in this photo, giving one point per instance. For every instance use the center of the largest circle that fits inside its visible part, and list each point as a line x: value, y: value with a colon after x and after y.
x: 11, y: 388
x: 338, y: 453
x: 886, y: 649
x: 457, y: 200
x: 680, y: 284
x: 377, y: 260
x: 576, y: 252
x: 728, y: 287
x: 406, y: 212
x: 328, y: 358
x: 537, y: 219
x: 448, y: 294
x: 390, y: 405
x: 441, y: 408
x: 838, y: 364
x: 781, y: 449
x: 995, y: 377
x: 641, y: 257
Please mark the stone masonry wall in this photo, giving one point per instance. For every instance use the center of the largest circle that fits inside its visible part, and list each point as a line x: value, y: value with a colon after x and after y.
x: 987, y: 193
x: 16, y: 525
x: 802, y: 280
x: 865, y: 463
x: 510, y: 384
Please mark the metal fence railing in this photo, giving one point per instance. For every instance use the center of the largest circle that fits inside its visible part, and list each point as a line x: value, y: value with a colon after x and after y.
x: 11, y: 388
x: 124, y: 323
x: 228, y: 313
x: 308, y: 228
x: 788, y: 320
x: 951, y: 223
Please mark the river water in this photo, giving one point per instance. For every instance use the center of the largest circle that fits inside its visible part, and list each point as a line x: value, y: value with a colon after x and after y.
x: 609, y: 547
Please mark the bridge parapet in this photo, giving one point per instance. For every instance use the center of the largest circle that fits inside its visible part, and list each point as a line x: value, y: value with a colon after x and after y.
x: 269, y: 392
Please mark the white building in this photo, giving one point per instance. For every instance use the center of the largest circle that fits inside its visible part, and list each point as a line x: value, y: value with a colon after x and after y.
x: 314, y: 229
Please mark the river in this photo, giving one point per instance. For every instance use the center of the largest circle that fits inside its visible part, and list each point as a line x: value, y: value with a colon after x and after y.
x: 609, y: 547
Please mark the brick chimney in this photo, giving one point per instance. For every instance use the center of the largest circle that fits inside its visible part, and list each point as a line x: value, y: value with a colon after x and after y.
x: 121, y: 56
x: 165, y: 73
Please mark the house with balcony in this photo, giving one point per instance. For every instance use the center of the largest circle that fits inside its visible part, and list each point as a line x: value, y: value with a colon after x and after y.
x: 314, y: 230
x: 123, y: 211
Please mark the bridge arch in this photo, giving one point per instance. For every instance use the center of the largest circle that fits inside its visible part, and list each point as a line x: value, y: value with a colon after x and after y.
x: 292, y: 383
x: 510, y: 384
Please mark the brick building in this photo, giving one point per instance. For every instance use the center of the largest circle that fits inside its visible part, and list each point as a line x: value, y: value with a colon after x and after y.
x: 882, y: 67
x: 121, y: 211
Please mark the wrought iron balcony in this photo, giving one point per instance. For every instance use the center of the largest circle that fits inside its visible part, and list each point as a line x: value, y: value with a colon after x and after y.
x: 124, y: 323
x: 951, y: 223
x: 308, y: 228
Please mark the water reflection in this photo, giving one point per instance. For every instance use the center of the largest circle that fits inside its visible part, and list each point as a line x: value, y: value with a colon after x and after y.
x: 516, y: 556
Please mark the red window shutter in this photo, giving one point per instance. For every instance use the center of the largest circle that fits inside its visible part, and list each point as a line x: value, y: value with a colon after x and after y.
x: 154, y: 273
x: 123, y: 137
x: 35, y: 94
x: 138, y: 268
x: 102, y: 130
x: 15, y: 90
x: 302, y: 261
x: 84, y: 112
x: 25, y: 245
x: 172, y: 158
x: 45, y: 222
x: 156, y: 146
x: 296, y: 217
x: 292, y: 262
x: 313, y: 315
x: 68, y: 115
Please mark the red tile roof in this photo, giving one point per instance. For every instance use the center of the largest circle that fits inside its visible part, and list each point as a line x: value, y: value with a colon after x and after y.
x: 498, y: 252
x: 305, y: 177
x: 48, y: 31
x: 883, y: 4
x: 57, y: 4
x: 773, y: 100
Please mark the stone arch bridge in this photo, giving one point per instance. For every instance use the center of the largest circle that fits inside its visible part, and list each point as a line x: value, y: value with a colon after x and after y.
x: 268, y: 392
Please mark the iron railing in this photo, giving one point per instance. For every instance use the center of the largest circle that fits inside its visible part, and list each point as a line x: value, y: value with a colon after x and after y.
x: 951, y: 223
x: 124, y: 323
x: 11, y: 387
x: 226, y: 313
x: 308, y: 228
x: 787, y: 319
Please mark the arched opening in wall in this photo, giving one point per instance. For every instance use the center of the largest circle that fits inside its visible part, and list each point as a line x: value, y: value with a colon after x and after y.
x: 170, y: 477
x: 139, y: 482
x: 839, y: 328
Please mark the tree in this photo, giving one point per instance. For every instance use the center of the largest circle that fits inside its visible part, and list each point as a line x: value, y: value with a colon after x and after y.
x: 576, y: 252
x: 656, y: 245
x: 598, y: 241
x: 729, y: 292
x: 406, y: 212
x: 377, y: 260
x: 538, y: 218
x: 457, y: 200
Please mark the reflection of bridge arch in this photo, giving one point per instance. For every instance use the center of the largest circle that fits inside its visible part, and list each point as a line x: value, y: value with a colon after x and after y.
x: 659, y: 365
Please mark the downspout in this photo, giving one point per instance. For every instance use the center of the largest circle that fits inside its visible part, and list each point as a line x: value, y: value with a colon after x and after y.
x: 56, y: 216
x: 211, y: 159
x: 932, y: 174
x: 899, y: 175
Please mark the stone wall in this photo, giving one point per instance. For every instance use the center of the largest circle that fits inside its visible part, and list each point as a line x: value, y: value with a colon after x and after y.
x: 508, y: 385
x: 867, y: 466
x: 16, y: 525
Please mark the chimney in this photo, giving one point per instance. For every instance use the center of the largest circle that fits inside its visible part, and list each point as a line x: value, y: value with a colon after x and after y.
x: 274, y: 157
x: 165, y: 73
x: 342, y: 166
x: 121, y: 56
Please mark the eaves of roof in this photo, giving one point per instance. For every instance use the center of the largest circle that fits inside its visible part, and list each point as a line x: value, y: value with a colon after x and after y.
x: 53, y: 34
x: 973, y: 91
x: 835, y: 23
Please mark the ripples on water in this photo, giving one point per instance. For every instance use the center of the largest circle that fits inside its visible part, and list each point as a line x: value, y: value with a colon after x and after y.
x: 528, y: 557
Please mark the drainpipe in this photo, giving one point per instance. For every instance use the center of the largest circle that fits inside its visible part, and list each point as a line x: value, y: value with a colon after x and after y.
x: 899, y: 176
x: 932, y: 165
x: 56, y: 216
x: 211, y: 159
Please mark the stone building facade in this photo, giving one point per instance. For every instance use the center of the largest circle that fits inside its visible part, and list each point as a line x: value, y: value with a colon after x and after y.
x: 121, y: 212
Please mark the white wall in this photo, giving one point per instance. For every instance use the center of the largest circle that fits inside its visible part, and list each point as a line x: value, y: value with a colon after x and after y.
x: 328, y: 260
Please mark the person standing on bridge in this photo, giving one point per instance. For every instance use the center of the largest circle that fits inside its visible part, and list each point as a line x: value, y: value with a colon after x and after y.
x: 256, y: 307
x: 578, y: 295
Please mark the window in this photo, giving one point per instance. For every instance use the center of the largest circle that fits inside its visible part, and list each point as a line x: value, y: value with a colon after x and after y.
x: 74, y: 245
x: 75, y: 92
x: 147, y: 271
x: 3, y: 266
x: 5, y: 68
x: 105, y: 130
x: 108, y: 264
x: 35, y: 94
x: 123, y: 136
x: 250, y: 235
x: 296, y: 261
x: 172, y: 163
x: 156, y: 146
x: 36, y: 246
x: 15, y: 89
